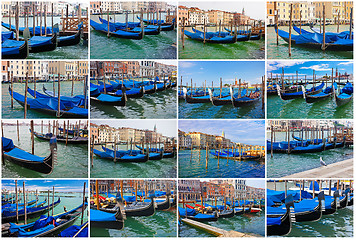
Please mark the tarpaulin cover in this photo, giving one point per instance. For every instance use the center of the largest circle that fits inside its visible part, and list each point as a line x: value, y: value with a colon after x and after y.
x: 7, y: 144
x: 6, y: 213
x: 203, y: 216
x: 279, y: 196
x: 72, y: 231
x: 108, y: 87
x: 21, y: 154
x: 183, y: 212
x: 299, y: 207
x: 316, y: 186
x: 21, y: 29
x: 94, y: 91
x: 100, y: 216
x: 79, y: 111
x: 132, y: 91
x: 348, y: 89
x: 7, y: 35
x: 12, y: 43
x: 119, y: 25
x: 108, y: 98
x: 38, y: 41
x: 274, y: 221
x: 42, y: 222
x: 309, y: 148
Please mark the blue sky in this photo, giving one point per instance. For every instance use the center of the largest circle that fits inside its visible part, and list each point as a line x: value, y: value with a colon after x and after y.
x: 254, y: 9
x: 306, y: 68
x: 199, y: 71
x: 247, y: 132
x: 166, y: 127
x: 255, y: 183
x: 44, y: 185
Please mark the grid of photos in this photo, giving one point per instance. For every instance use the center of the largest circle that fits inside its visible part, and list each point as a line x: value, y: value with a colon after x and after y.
x: 177, y: 119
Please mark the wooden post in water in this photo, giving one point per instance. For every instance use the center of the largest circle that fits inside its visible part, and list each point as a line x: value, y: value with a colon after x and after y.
x: 45, y: 19
x: 323, y: 47
x: 182, y: 34
x: 276, y: 20
x: 82, y: 219
x: 72, y: 83
x: 11, y: 76
x: 25, y: 105
x: 97, y: 194
x: 338, y: 21
x: 300, y: 22
x: 67, y: 132
x: 350, y: 32
x: 17, y: 21
x: 220, y: 87
x: 59, y: 96
x: 33, y: 20
x: 263, y: 91
x: 205, y: 31
x: 18, y: 131
x: 271, y: 140
x: 41, y: 19
x: 17, y: 203
x: 24, y: 202
x: 206, y: 157
x: 290, y: 31
x: 52, y: 17
x: 32, y: 138
x: 52, y: 199
x: 108, y: 35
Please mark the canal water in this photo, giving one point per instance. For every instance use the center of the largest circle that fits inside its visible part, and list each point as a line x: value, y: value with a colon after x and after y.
x: 18, y: 110
x: 252, y: 223
x: 339, y: 224
x: 280, y: 51
x: 286, y: 164
x: 103, y: 168
x: 299, y: 109
x: 79, y: 51
x: 194, y: 49
x: 68, y: 200
x: 191, y: 167
x: 162, y: 46
x: 161, y: 224
x: 159, y: 105
x: 72, y: 159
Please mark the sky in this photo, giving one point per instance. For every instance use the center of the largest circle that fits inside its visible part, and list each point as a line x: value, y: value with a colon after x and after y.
x: 255, y: 183
x: 166, y: 127
x: 253, y: 9
x: 44, y: 185
x: 199, y: 71
x: 306, y: 67
x: 242, y: 131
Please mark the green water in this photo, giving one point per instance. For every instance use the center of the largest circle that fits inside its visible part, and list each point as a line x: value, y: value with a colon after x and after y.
x: 280, y: 51
x: 72, y: 159
x: 339, y: 224
x: 161, y: 224
x: 299, y: 109
x: 251, y: 223
x: 160, y: 46
x: 68, y: 200
x: 190, y: 166
x: 18, y: 110
x: 79, y: 51
x: 159, y: 105
x: 240, y: 50
x: 286, y: 164
x: 164, y: 168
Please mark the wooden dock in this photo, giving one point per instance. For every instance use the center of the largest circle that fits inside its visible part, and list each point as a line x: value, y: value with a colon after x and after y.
x: 214, y: 230
x: 343, y: 169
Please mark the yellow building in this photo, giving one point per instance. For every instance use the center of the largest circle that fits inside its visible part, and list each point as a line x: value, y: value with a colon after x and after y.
x: 215, y: 16
x: 228, y: 18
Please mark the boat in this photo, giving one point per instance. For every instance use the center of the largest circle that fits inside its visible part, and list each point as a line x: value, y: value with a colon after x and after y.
x: 64, y: 139
x: 76, y: 231
x: 210, y: 38
x: 254, y: 97
x: 315, y: 41
x: 164, y: 26
x: 343, y: 34
x: 308, y: 149
x: 100, y: 219
x: 27, y: 160
x: 69, y: 40
x: 133, y: 27
x: 193, y: 215
x: 190, y: 98
x: 239, y: 37
x: 121, y: 157
x: 299, y: 94
x: 132, y: 93
x: 101, y: 27
x: 138, y: 209
x: 50, y: 106
x: 345, y: 94
x: 227, y: 213
x: 101, y: 88
x: 120, y: 25
x: 280, y: 225
x: 163, y: 204
x: 327, y: 93
x: 42, y: 44
x: 106, y: 99
x: 38, y: 29
x: 12, y: 49
x: 47, y: 225
x: 31, y: 212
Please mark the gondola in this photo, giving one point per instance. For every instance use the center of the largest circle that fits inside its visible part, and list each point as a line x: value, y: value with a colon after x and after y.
x: 69, y: 40
x: 211, y: 38
x: 27, y: 160
x: 47, y: 226
x: 100, y: 219
x: 150, y: 88
x: 308, y: 149
x: 50, y: 106
x: 132, y: 93
x: 331, y: 204
x: 165, y: 204
x: 345, y: 95
x: 315, y: 41
x: 133, y: 27
x: 239, y: 37
x: 38, y: 29
x: 227, y: 213
x: 253, y: 98
x: 168, y: 154
x: 294, y: 95
x: 32, y: 212
x: 12, y: 49
x: 280, y: 225
x: 116, y: 33
x: 121, y: 158
x: 106, y: 99
x: 200, y: 217
x: 164, y: 26
x: 76, y: 231
x: 42, y: 44
x: 189, y: 98
x: 135, y: 154
x: 323, y: 95
x: 238, y: 211
x: 70, y: 140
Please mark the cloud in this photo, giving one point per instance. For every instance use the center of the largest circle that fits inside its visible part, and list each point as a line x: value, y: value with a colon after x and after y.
x: 318, y: 67
x: 184, y: 64
x: 275, y: 65
x: 345, y: 63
